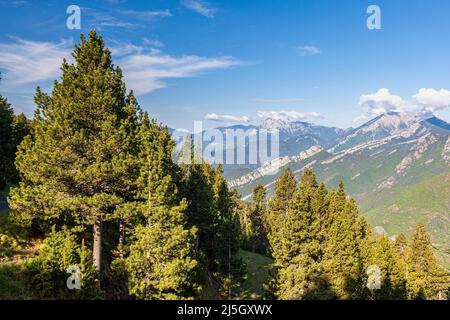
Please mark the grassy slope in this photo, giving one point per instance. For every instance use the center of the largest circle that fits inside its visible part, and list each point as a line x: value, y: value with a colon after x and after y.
x: 258, y: 267
x: 399, y: 210
x: 422, y: 194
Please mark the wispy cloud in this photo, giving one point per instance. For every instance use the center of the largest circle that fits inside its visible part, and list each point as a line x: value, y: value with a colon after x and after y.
x: 308, y: 50
x: 119, y: 18
x: 289, y: 115
x: 25, y: 62
x: 146, y: 15
x: 226, y: 118
x: 153, y: 43
x: 145, y: 68
x: 279, y: 101
x: 200, y: 7
x: 13, y: 3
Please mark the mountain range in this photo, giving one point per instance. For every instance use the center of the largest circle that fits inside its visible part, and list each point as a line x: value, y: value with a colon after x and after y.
x: 397, y: 166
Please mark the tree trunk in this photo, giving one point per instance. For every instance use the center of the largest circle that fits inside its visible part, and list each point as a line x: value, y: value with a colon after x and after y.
x: 121, y: 237
x: 97, y: 250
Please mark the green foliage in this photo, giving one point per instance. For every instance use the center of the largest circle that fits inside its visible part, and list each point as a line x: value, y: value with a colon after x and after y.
x: 79, y: 164
x: 160, y: 265
x: 300, y: 255
x: 95, y: 164
x: 393, y: 279
x: 47, y: 273
x: 161, y: 262
x: 426, y: 280
x: 7, y: 246
x: 278, y: 207
x: 7, y: 145
x: 254, y: 222
x: 212, y: 210
x: 324, y: 250
x: 343, y: 256
x: 97, y: 173
x: 257, y: 268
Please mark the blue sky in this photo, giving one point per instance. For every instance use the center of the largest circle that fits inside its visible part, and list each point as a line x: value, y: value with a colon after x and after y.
x: 243, y: 60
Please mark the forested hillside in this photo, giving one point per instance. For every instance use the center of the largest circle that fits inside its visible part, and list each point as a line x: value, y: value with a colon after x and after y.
x: 92, y: 184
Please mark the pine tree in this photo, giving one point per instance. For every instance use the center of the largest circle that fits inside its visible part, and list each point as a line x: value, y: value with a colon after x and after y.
x: 162, y: 262
x: 424, y: 277
x: 201, y: 211
x: 75, y: 165
x: 300, y: 275
x: 7, y: 143
x: 21, y: 128
x: 343, y: 259
x: 256, y: 228
x: 278, y: 207
x: 227, y: 237
x: 386, y: 258
x: 240, y: 209
x: 299, y: 228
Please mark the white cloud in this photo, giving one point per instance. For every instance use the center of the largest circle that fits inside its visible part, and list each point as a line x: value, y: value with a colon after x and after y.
x: 432, y: 100
x: 382, y: 102
x: 25, y: 62
x: 425, y: 102
x: 226, y: 118
x: 200, y: 7
x: 308, y: 50
x: 288, y: 115
x: 145, y: 69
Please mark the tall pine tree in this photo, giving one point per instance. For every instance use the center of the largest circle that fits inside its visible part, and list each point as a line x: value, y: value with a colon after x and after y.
x: 278, y: 207
x: 75, y: 165
x: 7, y: 143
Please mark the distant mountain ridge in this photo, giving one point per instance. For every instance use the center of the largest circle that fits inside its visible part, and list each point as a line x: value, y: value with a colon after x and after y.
x: 396, y: 165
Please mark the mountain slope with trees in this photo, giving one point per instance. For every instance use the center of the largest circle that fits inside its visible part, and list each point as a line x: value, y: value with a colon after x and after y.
x: 98, y: 191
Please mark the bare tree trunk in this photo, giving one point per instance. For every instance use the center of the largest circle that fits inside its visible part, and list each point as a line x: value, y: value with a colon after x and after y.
x: 122, y: 237
x: 97, y: 249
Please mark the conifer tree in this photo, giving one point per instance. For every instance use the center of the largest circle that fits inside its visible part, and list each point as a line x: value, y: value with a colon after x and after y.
x: 74, y: 166
x: 343, y: 259
x: 387, y: 259
x: 301, y: 221
x: 257, y: 222
x: 6, y: 143
x: 201, y: 211
x: 300, y: 275
x: 227, y: 237
x: 424, y: 275
x: 240, y: 209
x: 162, y: 262
x: 278, y: 207
x: 401, y: 245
